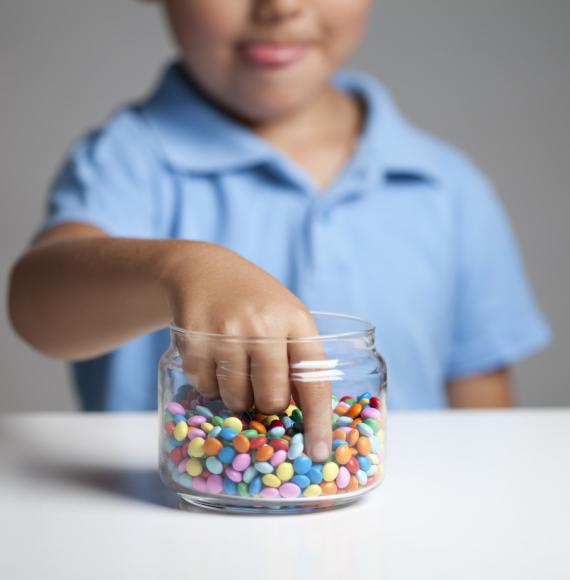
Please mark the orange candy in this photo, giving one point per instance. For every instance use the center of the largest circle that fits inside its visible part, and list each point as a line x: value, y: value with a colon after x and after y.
x: 341, y: 410
x: 241, y: 443
x: 329, y: 487
x: 354, y: 411
x: 342, y: 454
x: 352, y: 484
x: 339, y: 434
x: 355, y: 422
x: 264, y: 453
x: 259, y: 427
x: 352, y: 437
x: 364, y: 446
x: 212, y: 446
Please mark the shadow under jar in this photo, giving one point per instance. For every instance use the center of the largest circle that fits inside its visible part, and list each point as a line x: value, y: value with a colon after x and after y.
x: 250, y: 462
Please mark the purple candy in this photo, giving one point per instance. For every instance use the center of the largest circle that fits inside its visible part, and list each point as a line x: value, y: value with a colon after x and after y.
x: 176, y: 408
x: 233, y: 474
x: 182, y: 466
x: 196, y: 420
x: 214, y: 484
x: 370, y: 413
x: 199, y: 483
x: 193, y: 433
x: 278, y: 457
x: 241, y: 462
x: 343, y: 477
x: 269, y: 492
x: 290, y: 490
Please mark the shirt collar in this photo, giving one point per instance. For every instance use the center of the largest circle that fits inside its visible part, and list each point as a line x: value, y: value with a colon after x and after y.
x: 195, y: 136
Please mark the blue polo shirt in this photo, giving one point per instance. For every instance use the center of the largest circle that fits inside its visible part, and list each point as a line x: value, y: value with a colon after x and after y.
x: 410, y: 235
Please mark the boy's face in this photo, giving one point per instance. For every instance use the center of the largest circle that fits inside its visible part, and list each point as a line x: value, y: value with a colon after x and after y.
x: 262, y: 59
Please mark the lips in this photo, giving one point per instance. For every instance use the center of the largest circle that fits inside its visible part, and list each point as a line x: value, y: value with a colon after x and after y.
x: 272, y: 54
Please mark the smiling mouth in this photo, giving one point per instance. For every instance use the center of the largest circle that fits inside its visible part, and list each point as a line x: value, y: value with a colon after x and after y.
x: 272, y: 54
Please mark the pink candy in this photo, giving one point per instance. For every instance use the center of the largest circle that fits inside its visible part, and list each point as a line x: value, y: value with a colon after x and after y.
x: 214, y: 484
x: 233, y: 474
x: 290, y: 490
x: 269, y: 492
x: 176, y: 408
x: 193, y: 433
x: 196, y: 420
x: 370, y: 413
x: 343, y: 477
x: 182, y: 466
x: 278, y: 457
x: 199, y: 483
x: 241, y: 462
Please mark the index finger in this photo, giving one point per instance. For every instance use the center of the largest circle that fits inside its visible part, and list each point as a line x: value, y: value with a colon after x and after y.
x: 309, y: 374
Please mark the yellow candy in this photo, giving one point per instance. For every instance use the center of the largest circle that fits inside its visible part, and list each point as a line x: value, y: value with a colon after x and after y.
x: 268, y: 419
x: 330, y: 471
x: 207, y: 427
x: 194, y: 467
x: 196, y: 447
x: 289, y: 410
x: 312, y: 490
x: 181, y: 430
x: 271, y: 480
x: 233, y: 423
x: 285, y: 471
x: 374, y: 458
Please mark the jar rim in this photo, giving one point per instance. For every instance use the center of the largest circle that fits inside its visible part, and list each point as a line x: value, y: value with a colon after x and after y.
x: 367, y: 328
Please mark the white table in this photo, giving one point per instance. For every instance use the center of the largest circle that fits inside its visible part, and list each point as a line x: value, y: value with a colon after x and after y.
x: 468, y: 494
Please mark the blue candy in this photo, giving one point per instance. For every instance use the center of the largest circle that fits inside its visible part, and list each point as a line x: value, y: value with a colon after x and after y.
x: 366, y: 395
x: 364, y: 463
x: 344, y: 421
x: 204, y: 411
x: 302, y: 464
x: 178, y: 418
x: 227, y: 454
x: 301, y: 480
x: 264, y: 467
x: 276, y: 432
x: 249, y: 474
x: 361, y: 477
x: 365, y: 430
x: 175, y: 443
x: 315, y: 474
x: 229, y: 486
x: 337, y: 443
x: 214, y: 465
x: 215, y: 431
x: 296, y: 446
x: 228, y: 434
x: 255, y: 486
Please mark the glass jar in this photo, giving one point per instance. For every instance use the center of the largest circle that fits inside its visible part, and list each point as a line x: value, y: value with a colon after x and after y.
x: 248, y: 461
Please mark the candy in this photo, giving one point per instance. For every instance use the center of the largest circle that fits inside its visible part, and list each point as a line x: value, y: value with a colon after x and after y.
x: 271, y: 480
x: 208, y: 449
x: 241, y: 461
x: 302, y: 464
x: 330, y: 471
x: 181, y: 431
x: 289, y: 490
x: 285, y: 471
x: 196, y: 447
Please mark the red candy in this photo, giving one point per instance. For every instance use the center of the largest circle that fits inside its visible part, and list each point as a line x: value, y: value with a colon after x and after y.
x: 353, y: 466
x: 176, y: 455
x: 375, y: 402
x: 169, y: 428
x: 279, y: 444
x: 257, y: 442
x: 276, y: 423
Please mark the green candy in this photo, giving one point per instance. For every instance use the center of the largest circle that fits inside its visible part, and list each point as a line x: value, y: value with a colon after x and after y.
x: 242, y: 489
x: 217, y: 421
x: 297, y: 415
x: 168, y: 417
x: 374, y: 425
x: 250, y: 433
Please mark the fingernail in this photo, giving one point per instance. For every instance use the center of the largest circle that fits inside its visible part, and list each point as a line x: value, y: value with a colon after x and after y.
x: 320, y: 451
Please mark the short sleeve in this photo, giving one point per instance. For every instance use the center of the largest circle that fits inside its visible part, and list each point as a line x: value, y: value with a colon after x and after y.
x: 108, y: 181
x: 496, y: 318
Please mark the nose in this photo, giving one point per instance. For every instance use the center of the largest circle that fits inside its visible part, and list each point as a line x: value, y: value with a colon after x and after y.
x: 276, y: 10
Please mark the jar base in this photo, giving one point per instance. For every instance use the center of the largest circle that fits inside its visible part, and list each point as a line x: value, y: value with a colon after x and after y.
x: 276, y: 506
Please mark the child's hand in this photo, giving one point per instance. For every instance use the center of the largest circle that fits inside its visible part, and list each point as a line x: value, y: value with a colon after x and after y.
x: 225, y: 294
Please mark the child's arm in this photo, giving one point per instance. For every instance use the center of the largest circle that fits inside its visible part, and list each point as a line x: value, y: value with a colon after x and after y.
x: 482, y: 391
x: 79, y: 293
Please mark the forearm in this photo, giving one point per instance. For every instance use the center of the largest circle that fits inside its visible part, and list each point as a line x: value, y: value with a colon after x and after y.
x: 80, y: 297
x: 489, y: 390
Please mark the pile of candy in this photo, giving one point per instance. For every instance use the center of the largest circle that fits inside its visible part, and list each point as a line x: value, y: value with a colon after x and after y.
x: 208, y: 450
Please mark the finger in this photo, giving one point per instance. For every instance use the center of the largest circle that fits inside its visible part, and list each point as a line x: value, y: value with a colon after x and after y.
x: 232, y: 372
x: 199, y: 363
x: 269, y: 370
x: 310, y: 373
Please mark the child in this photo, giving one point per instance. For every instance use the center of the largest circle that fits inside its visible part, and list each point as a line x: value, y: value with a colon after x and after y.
x: 256, y: 183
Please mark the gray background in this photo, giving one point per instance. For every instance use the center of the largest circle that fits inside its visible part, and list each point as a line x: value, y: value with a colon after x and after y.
x: 492, y: 76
